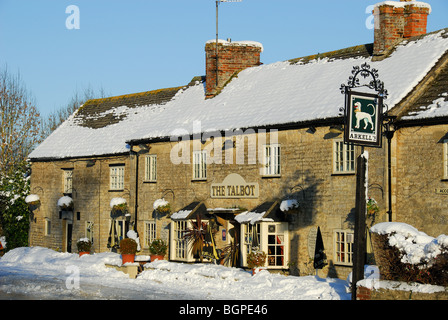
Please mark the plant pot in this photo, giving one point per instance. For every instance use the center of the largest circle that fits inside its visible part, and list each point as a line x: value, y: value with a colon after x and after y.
x: 81, y: 253
x: 155, y: 257
x: 125, y: 258
x: 256, y: 270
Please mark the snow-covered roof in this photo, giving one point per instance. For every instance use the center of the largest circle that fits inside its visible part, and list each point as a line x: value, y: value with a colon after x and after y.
x: 281, y: 93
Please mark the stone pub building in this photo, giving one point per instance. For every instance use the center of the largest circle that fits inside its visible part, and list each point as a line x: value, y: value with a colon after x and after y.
x: 257, y: 151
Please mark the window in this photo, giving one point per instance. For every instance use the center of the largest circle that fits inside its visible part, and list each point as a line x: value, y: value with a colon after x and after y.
x: 150, y: 232
x: 67, y: 180
x: 445, y: 159
x: 122, y: 228
x: 343, y: 243
x: 47, y: 226
x: 89, y: 231
x: 271, y: 160
x: 117, y: 177
x: 180, y: 245
x: 276, y: 246
x: 151, y: 167
x: 199, y: 165
x: 272, y: 239
x: 343, y: 157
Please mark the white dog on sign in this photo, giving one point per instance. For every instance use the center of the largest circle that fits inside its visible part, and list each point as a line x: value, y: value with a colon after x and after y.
x: 363, y: 116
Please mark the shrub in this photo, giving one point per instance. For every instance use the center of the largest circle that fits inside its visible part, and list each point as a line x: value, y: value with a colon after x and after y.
x: 84, y: 245
x: 128, y: 246
x: 158, y: 247
x: 256, y: 259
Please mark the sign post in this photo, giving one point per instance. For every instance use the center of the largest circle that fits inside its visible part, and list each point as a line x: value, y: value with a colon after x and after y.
x: 363, y: 127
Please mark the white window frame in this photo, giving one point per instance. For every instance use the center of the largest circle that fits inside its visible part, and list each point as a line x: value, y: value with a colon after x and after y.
x: 343, y: 157
x: 89, y: 231
x: 200, y: 165
x: 179, y: 247
x: 67, y: 181
x: 271, y: 160
x: 343, y: 247
x: 116, y: 177
x: 47, y: 227
x: 151, y: 168
x: 445, y: 159
x: 150, y: 232
x: 264, y: 231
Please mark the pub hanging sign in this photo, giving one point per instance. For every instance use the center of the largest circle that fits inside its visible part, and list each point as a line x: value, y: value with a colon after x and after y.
x: 364, y: 111
x: 363, y: 119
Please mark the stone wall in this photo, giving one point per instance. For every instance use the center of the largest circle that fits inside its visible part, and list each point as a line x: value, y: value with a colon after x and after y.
x: 418, y: 172
x: 393, y: 290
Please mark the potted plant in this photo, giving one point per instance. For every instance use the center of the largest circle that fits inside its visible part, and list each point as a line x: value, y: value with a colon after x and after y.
x: 157, y: 249
x: 162, y: 206
x: 65, y: 203
x: 84, y: 246
x: 128, y: 248
x: 33, y: 201
x: 256, y: 260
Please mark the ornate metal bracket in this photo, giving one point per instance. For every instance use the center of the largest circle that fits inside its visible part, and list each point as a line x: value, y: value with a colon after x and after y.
x: 365, y: 71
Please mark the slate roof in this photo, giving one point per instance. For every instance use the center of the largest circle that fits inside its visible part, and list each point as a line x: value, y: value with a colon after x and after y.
x: 287, y: 93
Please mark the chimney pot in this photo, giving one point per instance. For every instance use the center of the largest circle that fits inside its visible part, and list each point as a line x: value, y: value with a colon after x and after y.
x: 233, y: 57
x: 395, y: 21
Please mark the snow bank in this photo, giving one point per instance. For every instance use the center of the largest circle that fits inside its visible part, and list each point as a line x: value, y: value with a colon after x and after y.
x: 36, y: 267
x: 417, y: 247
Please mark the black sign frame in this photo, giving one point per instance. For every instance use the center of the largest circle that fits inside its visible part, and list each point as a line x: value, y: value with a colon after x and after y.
x: 363, y: 119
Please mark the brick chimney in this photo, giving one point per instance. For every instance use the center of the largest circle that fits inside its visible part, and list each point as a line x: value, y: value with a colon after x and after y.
x: 233, y: 57
x: 395, y: 21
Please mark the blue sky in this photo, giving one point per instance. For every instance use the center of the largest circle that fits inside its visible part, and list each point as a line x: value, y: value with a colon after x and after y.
x: 140, y: 45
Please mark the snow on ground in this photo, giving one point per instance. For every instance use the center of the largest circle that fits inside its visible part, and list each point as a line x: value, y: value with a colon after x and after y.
x: 42, y: 273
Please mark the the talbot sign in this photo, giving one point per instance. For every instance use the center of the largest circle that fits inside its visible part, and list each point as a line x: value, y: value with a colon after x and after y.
x: 234, y: 186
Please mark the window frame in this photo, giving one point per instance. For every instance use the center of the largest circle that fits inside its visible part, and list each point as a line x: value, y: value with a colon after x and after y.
x: 89, y: 234
x: 263, y: 232
x: 445, y: 159
x: 272, y: 160
x: 151, y: 168
x: 180, y: 247
x: 344, y: 157
x: 150, y: 233
x: 343, y: 255
x: 67, y: 181
x: 47, y: 227
x: 116, y: 177
x: 199, y: 165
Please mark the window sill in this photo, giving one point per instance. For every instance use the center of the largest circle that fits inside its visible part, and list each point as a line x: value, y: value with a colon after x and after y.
x: 343, y: 174
x: 271, y: 176
x: 150, y: 181
x: 116, y: 190
x: 199, y: 180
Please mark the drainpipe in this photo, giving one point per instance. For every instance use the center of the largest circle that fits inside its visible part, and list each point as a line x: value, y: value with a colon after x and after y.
x: 389, y: 133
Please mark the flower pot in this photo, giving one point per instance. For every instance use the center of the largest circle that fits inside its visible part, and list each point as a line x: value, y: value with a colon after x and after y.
x: 81, y: 253
x: 125, y: 258
x: 155, y: 257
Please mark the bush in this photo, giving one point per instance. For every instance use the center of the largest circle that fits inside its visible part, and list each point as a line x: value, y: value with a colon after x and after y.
x: 256, y: 259
x: 84, y: 245
x: 158, y: 247
x: 411, y: 256
x: 128, y: 246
